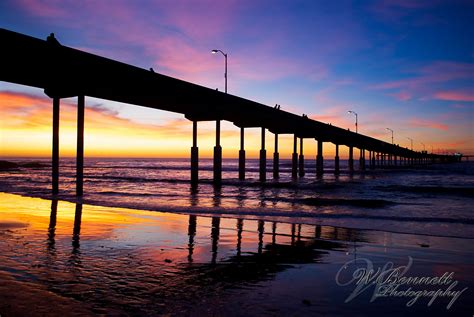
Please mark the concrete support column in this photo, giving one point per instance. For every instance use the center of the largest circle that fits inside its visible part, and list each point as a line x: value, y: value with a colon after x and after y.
x: 263, y: 159
x: 276, y: 160
x: 218, y: 155
x: 395, y: 160
x: 351, y: 159
x: 242, y: 155
x: 55, y: 148
x: 336, y: 161
x: 80, y: 146
x: 194, y: 157
x: 362, y: 160
x: 301, y: 159
x: 294, y: 159
x: 319, y: 159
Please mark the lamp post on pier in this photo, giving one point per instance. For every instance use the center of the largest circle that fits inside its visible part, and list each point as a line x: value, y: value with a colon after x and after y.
x: 392, y: 133
x: 411, y: 140
x: 218, y: 148
x: 356, y: 123
x: 225, y: 73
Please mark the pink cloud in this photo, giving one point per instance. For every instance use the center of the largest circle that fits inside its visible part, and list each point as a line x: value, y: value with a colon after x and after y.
x: 415, y: 122
x: 425, y: 79
x: 455, y: 95
x: 48, y: 9
x: 437, y: 72
x: 402, y: 96
x: 460, y: 106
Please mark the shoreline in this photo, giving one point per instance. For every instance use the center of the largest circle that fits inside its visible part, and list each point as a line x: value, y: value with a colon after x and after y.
x: 256, y: 214
x: 173, y: 263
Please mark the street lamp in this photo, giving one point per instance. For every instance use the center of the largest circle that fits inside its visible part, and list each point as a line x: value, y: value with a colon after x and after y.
x: 225, y: 74
x: 392, y: 133
x: 411, y: 140
x: 424, y: 148
x: 354, y: 113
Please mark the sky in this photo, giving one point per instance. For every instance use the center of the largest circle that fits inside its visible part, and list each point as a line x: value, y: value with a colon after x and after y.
x: 407, y: 65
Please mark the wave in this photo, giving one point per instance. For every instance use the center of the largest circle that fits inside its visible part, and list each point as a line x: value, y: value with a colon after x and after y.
x: 265, y: 212
x: 366, y: 203
x: 457, y: 191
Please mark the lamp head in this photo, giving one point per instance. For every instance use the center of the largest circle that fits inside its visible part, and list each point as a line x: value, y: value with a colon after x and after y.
x: 214, y: 51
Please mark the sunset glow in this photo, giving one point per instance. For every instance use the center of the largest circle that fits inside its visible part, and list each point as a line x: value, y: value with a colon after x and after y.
x: 306, y: 62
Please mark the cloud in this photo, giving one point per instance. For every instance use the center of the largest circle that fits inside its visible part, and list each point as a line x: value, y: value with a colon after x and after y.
x: 455, y: 95
x: 415, y: 122
x: 27, y: 109
x: 26, y: 130
x: 437, y: 72
x: 424, y: 80
x: 397, y: 11
x: 402, y: 95
x: 49, y: 9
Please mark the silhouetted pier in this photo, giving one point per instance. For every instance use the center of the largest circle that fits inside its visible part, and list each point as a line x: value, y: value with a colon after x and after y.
x: 66, y: 72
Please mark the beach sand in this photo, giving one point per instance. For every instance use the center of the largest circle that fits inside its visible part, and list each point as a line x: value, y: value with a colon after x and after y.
x: 63, y: 259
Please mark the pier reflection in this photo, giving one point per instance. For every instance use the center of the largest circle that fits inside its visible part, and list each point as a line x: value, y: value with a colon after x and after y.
x: 191, y: 234
x: 76, y: 235
x: 240, y: 227
x: 176, y: 254
x: 52, y: 226
x: 215, y: 237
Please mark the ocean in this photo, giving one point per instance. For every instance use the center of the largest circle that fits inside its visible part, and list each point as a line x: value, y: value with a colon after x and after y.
x: 432, y: 200
x: 142, y: 242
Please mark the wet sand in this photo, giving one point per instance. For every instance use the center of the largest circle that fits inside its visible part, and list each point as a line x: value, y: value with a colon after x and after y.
x: 60, y: 258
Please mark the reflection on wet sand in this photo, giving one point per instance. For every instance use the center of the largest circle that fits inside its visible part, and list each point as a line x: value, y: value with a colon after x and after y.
x: 151, y: 263
x: 52, y: 225
x: 191, y: 234
x: 297, y: 241
x: 76, y: 235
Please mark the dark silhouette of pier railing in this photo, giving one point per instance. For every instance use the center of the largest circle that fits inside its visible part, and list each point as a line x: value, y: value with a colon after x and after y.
x: 66, y: 72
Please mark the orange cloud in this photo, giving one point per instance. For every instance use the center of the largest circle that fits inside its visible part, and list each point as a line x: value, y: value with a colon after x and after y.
x: 455, y: 95
x: 428, y: 124
x: 26, y: 130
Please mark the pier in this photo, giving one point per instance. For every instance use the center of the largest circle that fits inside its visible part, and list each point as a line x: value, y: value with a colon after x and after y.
x: 64, y: 72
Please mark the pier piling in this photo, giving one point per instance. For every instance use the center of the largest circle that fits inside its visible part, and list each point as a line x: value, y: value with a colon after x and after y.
x: 218, y: 155
x: 319, y: 159
x: 301, y: 159
x: 351, y: 159
x: 242, y: 155
x: 55, y: 147
x: 276, y: 160
x: 263, y: 159
x: 294, y: 159
x: 80, y: 146
x: 194, y: 157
